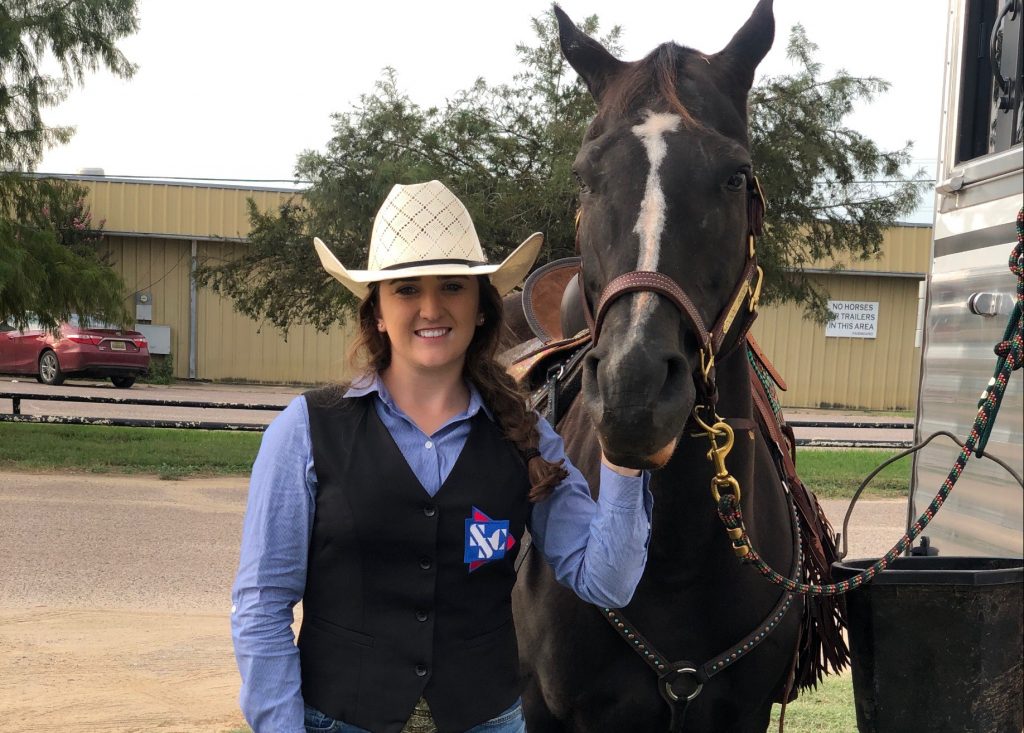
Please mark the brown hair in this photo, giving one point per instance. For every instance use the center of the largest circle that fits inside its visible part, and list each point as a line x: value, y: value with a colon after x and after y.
x: 371, y: 352
x: 656, y: 75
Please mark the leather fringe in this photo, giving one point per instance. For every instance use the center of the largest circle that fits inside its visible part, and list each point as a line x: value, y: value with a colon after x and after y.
x: 822, y: 649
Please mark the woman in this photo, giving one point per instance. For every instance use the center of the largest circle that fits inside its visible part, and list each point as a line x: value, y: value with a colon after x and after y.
x: 394, y: 508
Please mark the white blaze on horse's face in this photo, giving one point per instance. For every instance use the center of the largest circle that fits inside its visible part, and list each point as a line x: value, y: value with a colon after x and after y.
x: 650, y: 224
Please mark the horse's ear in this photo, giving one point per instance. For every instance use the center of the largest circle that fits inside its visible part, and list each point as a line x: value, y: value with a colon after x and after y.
x: 589, y: 58
x: 750, y: 44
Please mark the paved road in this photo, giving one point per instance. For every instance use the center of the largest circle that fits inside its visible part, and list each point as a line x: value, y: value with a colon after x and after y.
x: 281, y: 395
x: 185, y: 391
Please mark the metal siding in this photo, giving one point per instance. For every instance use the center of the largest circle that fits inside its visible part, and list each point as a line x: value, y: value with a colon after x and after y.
x: 905, y: 249
x: 177, y: 210
x: 873, y: 374
x: 160, y: 266
x: 233, y: 346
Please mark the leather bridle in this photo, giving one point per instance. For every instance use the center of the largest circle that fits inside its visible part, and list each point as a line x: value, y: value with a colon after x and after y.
x: 681, y: 682
x: 747, y: 290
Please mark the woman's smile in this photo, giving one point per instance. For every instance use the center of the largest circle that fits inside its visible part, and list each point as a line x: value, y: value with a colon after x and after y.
x: 432, y: 333
x: 430, y: 320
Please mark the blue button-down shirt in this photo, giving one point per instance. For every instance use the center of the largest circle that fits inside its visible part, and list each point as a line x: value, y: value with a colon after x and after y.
x: 596, y: 548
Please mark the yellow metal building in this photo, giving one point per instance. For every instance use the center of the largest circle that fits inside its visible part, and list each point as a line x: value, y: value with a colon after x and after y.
x: 879, y: 373
x: 155, y: 230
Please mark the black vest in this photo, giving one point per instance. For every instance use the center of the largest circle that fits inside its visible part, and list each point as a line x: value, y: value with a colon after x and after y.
x: 391, y: 610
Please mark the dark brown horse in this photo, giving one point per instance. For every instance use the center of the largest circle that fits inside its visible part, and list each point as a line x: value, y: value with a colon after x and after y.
x: 667, y: 181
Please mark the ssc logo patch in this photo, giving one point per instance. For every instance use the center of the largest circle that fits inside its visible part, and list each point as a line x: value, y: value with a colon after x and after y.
x: 486, y: 539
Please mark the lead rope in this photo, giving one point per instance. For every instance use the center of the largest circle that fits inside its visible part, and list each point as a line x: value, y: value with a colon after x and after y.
x: 1009, y: 351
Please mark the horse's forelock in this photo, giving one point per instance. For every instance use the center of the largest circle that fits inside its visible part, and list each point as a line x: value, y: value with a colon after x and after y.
x: 656, y: 76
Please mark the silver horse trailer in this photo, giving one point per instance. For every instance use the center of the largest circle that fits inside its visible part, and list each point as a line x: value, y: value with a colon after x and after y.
x: 970, y: 290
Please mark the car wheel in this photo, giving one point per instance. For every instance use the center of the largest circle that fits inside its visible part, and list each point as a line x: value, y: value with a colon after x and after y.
x: 123, y: 382
x: 49, y: 369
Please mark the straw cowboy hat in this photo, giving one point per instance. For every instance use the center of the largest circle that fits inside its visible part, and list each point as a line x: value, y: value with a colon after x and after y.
x: 423, y: 229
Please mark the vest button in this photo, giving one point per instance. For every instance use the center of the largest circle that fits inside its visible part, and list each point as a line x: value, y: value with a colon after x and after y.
x: 421, y: 670
x: 425, y: 563
x: 429, y: 510
x: 421, y: 615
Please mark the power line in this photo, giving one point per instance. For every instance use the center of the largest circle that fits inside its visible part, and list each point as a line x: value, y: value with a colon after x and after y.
x: 899, y: 180
x: 196, y: 179
x: 214, y: 180
x: 304, y: 182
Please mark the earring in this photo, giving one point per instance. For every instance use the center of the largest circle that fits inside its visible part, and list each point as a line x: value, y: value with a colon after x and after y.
x: 380, y: 325
x: 480, y: 320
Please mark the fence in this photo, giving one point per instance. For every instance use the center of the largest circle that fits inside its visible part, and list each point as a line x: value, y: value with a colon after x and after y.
x: 17, y: 397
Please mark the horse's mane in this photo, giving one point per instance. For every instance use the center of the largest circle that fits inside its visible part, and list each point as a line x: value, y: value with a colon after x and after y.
x: 654, y: 76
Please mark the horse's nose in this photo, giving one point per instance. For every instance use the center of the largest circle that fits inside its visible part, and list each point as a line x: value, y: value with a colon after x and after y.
x: 643, y: 378
x: 637, y: 396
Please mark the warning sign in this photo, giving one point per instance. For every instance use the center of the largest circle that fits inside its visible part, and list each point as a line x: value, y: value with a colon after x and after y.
x: 855, y: 319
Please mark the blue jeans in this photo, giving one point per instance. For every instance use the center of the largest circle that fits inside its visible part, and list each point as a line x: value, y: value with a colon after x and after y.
x: 510, y: 721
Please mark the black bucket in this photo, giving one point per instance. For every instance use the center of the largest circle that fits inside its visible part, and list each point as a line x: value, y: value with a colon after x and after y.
x: 937, y: 645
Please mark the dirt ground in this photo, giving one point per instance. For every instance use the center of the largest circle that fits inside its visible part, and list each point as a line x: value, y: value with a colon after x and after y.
x: 115, y: 595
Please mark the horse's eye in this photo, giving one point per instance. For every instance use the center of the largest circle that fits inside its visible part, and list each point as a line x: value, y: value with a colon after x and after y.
x: 584, y: 188
x: 737, y: 182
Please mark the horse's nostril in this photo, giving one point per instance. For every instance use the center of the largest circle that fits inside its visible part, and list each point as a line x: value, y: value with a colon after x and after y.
x: 590, y: 362
x: 676, y: 372
x: 593, y: 388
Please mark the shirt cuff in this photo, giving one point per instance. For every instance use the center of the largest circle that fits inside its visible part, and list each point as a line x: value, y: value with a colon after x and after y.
x: 623, y: 492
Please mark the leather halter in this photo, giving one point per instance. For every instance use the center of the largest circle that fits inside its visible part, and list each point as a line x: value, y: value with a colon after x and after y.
x: 747, y: 288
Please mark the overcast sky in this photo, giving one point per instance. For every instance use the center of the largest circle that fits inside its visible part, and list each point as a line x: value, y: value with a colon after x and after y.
x: 236, y: 89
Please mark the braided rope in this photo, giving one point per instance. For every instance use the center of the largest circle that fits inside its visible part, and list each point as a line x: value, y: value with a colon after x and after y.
x: 1010, y: 351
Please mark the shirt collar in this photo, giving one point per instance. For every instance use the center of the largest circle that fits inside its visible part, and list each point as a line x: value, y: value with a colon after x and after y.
x: 370, y: 383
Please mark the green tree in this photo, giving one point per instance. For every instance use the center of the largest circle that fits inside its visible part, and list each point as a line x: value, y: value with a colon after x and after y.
x: 831, y: 189
x: 49, y: 261
x: 508, y: 149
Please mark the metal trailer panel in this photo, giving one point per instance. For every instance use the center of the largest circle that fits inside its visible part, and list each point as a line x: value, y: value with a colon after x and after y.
x: 977, y: 201
x: 983, y: 514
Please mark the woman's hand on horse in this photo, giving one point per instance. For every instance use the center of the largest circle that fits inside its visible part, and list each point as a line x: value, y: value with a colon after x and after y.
x: 621, y: 470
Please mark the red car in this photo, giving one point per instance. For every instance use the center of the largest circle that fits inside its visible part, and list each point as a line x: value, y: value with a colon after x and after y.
x: 96, y: 350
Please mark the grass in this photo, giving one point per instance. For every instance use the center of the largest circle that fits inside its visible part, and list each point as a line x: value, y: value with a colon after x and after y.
x: 168, y: 453
x: 827, y: 709
x: 835, y: 474
x: 177, y: 454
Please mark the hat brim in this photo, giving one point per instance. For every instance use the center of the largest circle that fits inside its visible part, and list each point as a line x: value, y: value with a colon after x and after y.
x: 504, y: 277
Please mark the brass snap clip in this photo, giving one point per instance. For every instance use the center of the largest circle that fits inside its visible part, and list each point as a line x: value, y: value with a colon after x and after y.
x: 722, y: 480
